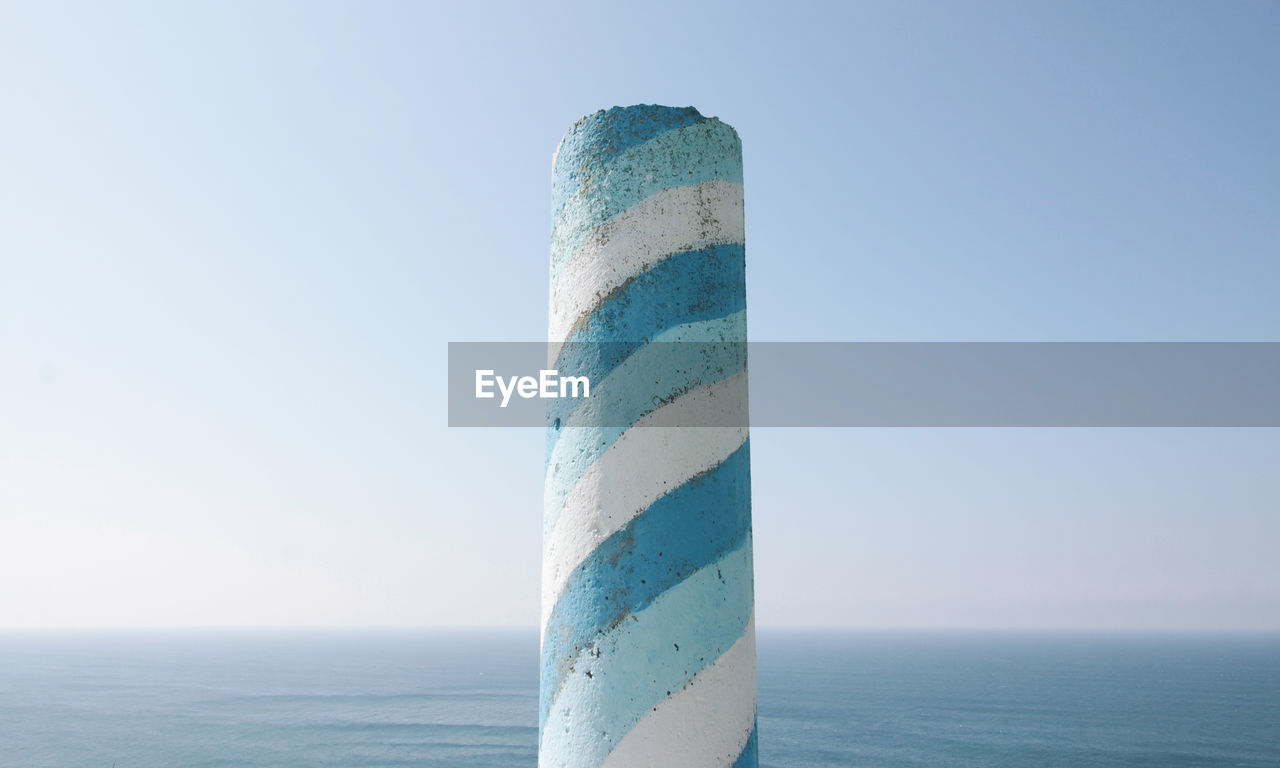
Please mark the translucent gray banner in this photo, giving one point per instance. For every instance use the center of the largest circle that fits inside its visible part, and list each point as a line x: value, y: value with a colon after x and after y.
x: 819, y: 384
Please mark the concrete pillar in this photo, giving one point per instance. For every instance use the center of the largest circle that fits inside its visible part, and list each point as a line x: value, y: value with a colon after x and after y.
x: 648, y: 630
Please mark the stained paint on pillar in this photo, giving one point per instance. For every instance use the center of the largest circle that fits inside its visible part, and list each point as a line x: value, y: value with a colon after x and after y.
x: 648, y: 632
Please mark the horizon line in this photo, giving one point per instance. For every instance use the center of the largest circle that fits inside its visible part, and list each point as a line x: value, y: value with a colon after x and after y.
x: 533, y: 628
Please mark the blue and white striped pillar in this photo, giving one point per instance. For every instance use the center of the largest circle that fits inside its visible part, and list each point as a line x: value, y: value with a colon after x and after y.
x: 648, y: 630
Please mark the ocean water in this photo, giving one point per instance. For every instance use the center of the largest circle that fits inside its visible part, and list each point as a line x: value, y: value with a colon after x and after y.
x: 200, y: 699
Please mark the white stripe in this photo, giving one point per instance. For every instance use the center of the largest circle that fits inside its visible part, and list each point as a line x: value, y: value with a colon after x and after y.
x: 706, y: 724
x: 642, y: 170
x: 646, y: 463
x: 672, y: 221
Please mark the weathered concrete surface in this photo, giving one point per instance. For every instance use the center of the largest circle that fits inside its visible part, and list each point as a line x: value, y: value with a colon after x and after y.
x: 648, y: 644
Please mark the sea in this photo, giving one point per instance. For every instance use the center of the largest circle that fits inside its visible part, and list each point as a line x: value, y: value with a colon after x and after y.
x: 468, y: 699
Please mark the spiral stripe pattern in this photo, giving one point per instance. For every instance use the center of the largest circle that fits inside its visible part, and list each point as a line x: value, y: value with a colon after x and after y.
x: 648, y: 630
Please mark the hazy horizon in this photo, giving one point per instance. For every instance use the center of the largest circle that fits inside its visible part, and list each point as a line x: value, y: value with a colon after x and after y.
x: 533, y: 631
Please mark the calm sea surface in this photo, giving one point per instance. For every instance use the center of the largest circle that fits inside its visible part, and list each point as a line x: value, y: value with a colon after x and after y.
x: 197, y: 699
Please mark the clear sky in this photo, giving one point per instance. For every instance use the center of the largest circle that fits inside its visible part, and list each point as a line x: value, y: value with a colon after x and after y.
x: 235, y: 239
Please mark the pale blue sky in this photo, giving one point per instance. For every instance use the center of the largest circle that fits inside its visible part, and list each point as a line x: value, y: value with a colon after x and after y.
x: 236, y: 238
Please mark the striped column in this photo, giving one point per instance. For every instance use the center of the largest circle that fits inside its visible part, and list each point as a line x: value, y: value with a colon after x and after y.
x: 648, y: 632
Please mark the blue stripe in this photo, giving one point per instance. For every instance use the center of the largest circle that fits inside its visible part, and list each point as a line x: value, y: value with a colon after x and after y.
x: 705, y: 151
x: 687, y: 287
x: 682, y: 288
x: 653, y: 654
x: 658, y: 373
x: 598, y: 138
x: 750, y: 757
x: 694, y: 525
x: 614, y: 366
